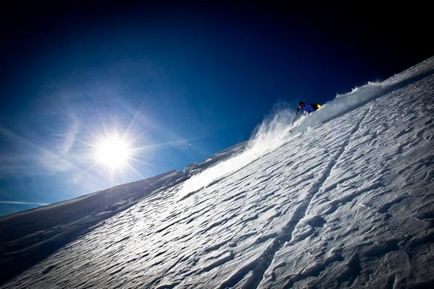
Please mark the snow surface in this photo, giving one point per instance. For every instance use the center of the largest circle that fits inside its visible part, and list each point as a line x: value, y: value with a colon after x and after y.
x: 343, y: 199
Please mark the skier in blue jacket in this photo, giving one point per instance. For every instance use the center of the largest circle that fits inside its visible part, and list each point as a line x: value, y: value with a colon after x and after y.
x: 307, y: 108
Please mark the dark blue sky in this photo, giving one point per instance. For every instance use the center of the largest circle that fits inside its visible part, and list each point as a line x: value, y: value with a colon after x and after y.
x: 183, y: 79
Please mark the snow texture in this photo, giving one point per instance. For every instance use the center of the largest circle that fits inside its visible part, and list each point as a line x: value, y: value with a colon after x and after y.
x: 342, y: 199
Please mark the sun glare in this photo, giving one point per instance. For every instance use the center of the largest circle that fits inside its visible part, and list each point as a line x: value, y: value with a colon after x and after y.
x: 113, y: 152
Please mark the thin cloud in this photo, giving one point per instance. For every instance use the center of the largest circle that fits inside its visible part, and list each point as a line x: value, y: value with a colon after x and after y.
x: 22, y: 203
x: 42, y: 160
x: 71, y: 135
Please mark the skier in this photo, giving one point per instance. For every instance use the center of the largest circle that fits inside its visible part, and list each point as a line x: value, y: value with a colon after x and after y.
x: 307, y: 108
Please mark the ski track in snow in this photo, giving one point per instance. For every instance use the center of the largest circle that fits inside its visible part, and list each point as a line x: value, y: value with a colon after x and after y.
x: 346, y: 204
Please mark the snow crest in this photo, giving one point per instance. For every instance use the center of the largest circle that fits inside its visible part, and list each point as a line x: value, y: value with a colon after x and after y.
x: 272, y: 133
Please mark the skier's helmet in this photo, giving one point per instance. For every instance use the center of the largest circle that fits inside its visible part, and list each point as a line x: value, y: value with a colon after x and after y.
x: 300, y: 104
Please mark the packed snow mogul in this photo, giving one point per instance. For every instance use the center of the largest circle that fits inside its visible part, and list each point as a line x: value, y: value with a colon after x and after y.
x: 307, y: 108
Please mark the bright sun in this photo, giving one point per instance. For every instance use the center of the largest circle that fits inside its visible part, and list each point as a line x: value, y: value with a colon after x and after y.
x: 113, y: 152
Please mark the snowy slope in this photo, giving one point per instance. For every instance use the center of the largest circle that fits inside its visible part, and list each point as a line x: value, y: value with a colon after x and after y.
x: 30, y: 236
x: 343, y: 200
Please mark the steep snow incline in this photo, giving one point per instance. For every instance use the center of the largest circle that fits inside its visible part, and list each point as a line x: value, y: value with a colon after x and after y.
x: 346, y: 204
x: 28, y: 237
x: 371, y: 221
